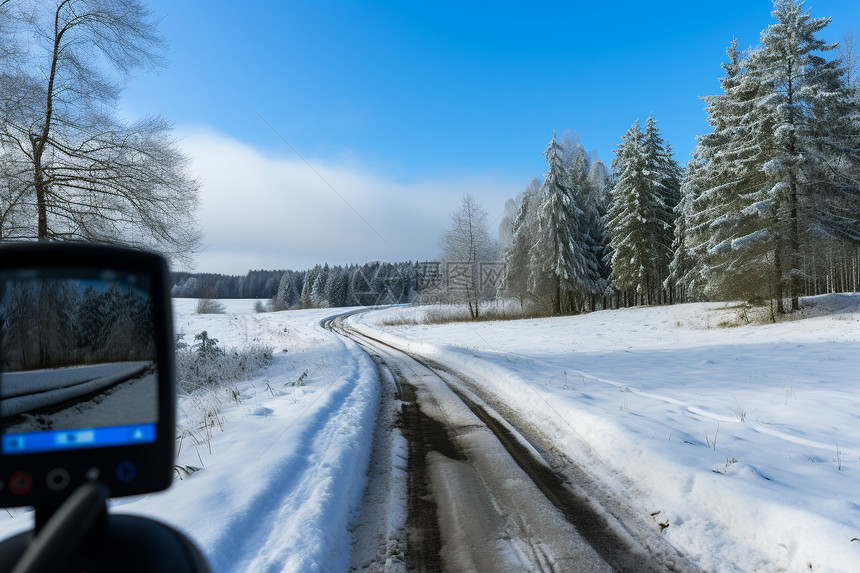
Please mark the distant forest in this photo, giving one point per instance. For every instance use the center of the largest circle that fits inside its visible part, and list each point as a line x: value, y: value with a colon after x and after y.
x: 322, y: 286
x: 255, y: 284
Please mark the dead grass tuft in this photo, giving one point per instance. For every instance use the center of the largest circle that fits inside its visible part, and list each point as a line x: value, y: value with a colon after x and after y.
x: 448, y: 314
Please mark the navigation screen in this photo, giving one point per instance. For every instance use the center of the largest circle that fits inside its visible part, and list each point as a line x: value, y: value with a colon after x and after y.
x: 78, y: 364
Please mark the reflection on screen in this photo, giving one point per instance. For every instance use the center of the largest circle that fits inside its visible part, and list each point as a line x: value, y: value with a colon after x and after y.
x: 77, y: 360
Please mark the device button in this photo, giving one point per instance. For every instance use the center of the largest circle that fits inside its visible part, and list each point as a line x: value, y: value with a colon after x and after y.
x: 20, y: 483
x: 74, y: 439
x: 126, y: 471
x: 58, y: 479
x: 14, y: 443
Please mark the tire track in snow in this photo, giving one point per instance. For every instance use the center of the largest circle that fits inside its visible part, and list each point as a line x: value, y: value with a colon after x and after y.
x: 315, y: 487
x: 592, y: 524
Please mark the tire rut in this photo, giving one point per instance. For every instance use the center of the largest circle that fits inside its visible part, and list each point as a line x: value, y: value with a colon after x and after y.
x: 426, y: 434
x: 423, y: 435
x: 576, y: 508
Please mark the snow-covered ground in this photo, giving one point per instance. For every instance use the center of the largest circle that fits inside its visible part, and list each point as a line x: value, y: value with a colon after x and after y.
x: 746, y: 440
x: 279, y: 485
x: 729, y: 433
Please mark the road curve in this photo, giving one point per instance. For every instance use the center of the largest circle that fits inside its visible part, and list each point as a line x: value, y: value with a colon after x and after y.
x: 480, y: 497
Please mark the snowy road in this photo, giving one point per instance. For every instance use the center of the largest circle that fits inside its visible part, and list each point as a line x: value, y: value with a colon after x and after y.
x: 480, y: 496
x: 84, y: 396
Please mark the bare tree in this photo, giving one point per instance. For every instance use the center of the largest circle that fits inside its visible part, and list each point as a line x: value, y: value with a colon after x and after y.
x: 74, y: 168
x: 850, y: 59
x: 466, y: 244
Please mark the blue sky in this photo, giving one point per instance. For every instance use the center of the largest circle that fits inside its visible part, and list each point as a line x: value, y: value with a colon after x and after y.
x: 409, y: 105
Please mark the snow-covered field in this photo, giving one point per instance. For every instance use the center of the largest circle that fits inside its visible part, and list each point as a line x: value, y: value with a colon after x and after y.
x: 746, y: 440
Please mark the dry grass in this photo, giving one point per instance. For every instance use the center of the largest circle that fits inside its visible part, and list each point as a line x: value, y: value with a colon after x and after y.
x: 448, y: 314
x: 753, y: 314
x: 758, y: 314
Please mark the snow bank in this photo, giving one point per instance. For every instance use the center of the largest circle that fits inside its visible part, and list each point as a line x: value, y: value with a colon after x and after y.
x: 743, y: 439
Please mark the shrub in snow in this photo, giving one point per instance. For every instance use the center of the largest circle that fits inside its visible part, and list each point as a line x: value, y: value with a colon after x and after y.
x: 208, y: 366
x: 209, y: 306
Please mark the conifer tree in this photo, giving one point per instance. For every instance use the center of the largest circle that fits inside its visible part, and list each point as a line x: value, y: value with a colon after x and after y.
x: 317, y: 295
x: 685, y: 270
x: 335, y: 287
x: 599, y: 181
x: 590, y: 237
x: 663, y: 176
x: 306, y: 298
x: 559, y: 253
x: 779, y: 162
x: 727, y: 219
x: 640, y: 220
x: 517, y: 260
x: 627, y: 237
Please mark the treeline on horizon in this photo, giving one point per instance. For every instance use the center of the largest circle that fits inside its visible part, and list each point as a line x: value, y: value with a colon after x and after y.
x: 255, y: 284
x: 323, y: 286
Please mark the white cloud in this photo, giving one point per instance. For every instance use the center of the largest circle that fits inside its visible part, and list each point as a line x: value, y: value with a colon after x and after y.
x: 273, y: 212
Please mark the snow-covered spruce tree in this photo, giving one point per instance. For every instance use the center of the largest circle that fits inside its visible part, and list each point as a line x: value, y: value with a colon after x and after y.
x: 815, y: 129
x: 640, y: 220
x: 336, y: 287
x: 587, y: 199
x: 317, y: 293
x: 673, y: 197
x: 387, y: 284
x: 306, y: 298
x: 685, y: 270
x: 623, y: 222
x: 600, y: 183
x: 664, y: 179
x: 782, y: 160
x: 728, y: 226
x: 590, y: 179
x: 289, y: 290
x: 517, y: 261
x: 674, y: 179
x: 563, y: 264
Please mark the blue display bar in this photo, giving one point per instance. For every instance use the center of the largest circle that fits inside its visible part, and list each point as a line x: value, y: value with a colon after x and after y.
x: 53, y: 440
